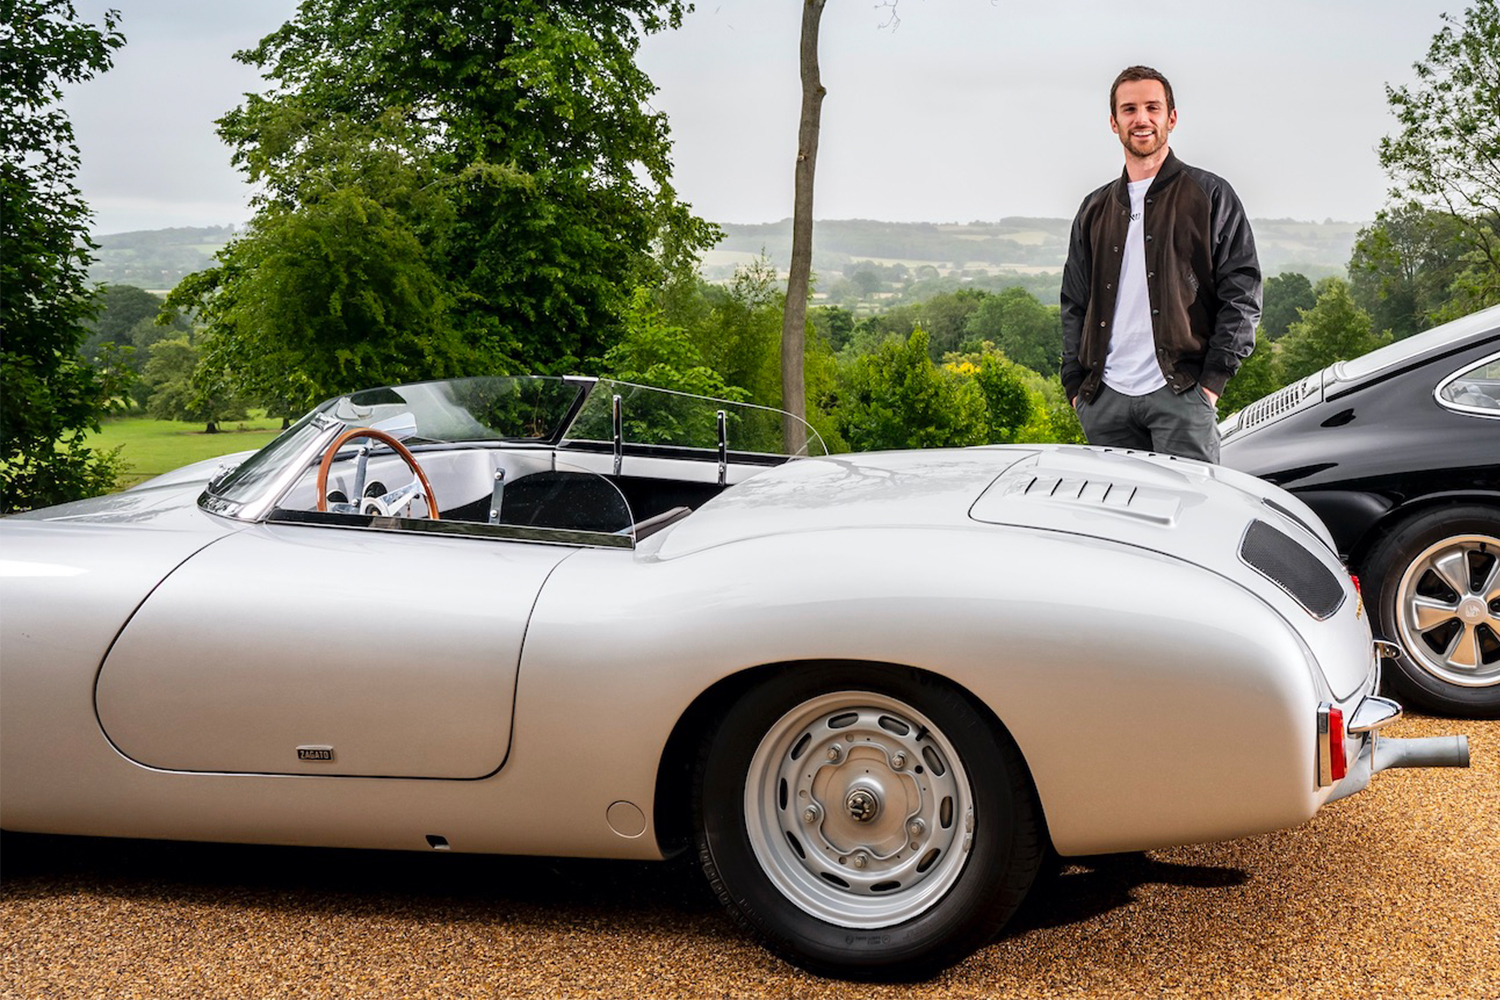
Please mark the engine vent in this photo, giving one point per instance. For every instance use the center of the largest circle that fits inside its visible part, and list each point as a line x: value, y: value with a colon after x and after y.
x: 1282, y: 560
x: 1278, y: 404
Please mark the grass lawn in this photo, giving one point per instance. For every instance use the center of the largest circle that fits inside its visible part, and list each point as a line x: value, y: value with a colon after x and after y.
x: 151, y: 447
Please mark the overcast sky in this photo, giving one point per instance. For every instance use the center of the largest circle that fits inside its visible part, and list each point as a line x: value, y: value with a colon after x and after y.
x: 968, y: 109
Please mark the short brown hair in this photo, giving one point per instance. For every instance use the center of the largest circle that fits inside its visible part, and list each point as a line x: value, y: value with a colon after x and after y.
x: 1133, y: 73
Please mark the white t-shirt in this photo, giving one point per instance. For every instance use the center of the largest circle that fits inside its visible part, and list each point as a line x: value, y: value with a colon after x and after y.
x: 1130, y: 367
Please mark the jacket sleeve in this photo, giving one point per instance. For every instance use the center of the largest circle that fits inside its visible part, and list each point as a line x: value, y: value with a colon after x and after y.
x: 1237, y: 286
x: 1077, y: 278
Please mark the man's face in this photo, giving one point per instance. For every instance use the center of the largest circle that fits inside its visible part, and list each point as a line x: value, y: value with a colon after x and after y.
x: 1141, y: 118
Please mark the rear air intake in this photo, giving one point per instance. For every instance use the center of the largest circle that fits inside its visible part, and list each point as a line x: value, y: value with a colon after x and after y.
x: 1282, y: 560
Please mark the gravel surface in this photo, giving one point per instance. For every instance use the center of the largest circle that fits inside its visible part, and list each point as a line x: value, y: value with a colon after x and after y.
x: 1394, y: 893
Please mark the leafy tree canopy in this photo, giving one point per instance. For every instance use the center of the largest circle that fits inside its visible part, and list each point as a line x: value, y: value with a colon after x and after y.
x: 48, y: 397
x: 476, y: 185
x: 896, y: 397
x: 1447, y: 154
x: 1284, y: 296
x: 1404, y: 266
x: 1026, y: 331
x: 1335, y: 329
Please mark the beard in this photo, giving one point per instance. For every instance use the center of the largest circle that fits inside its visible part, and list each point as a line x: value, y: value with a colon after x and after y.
x: 1144, y: 147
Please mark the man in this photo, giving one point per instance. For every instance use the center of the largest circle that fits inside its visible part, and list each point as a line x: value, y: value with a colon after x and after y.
x: 1161, y: 292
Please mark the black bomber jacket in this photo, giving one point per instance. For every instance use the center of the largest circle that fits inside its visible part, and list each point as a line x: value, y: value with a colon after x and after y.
x: 1201, y: 273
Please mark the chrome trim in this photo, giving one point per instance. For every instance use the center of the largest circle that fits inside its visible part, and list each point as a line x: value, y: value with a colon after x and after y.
x: 497, y: 497
x: 1372, y: 713
x: 1325, y: 747
x: 460, y: 529
x: 617, y: 416
x: 260, y: 508
x: 1387, y: 650
x: 1472, y: 411
x: 723, y: 448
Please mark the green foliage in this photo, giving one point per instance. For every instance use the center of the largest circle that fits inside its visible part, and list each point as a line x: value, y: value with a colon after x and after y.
x: 333, y: 281
x: 175, y: 394
x: 1026, y: 331
x: 1260, y: 374
x: 48, y: 397
x: 897, y: 398
x: 1447, y: 154
x: 444, y: 186
x: 656, y: 353
x: 1283, y: 299
x: 1335, y: 329
x: 130, y: 321
x: 1404, y: 266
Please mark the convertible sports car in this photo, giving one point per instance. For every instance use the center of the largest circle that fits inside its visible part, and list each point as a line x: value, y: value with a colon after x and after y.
x: 1399, y: 453
x: 873, y: 693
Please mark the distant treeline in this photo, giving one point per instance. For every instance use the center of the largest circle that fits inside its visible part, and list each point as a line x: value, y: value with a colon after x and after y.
x: 1316, y: 249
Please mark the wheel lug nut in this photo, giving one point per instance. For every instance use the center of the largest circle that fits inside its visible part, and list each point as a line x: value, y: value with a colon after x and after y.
x: 916, y: 828
x: 898, y: 761
x: 860, y: 860
x: 810, y: 815
x: 835, y: 752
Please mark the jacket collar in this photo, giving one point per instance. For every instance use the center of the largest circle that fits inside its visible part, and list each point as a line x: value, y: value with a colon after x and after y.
x: 1170, y: 168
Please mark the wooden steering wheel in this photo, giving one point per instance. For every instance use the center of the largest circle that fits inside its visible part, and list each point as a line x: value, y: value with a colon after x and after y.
x: 400, y: 449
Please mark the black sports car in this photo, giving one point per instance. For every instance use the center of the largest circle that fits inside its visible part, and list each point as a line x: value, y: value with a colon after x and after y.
x: 1399, y: 452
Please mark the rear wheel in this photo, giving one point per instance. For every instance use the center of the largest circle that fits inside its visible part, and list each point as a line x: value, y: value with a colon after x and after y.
x: 1438, y: 580
x: 866, y: 821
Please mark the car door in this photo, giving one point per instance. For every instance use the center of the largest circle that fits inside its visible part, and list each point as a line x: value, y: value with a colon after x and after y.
x: 309, y: 649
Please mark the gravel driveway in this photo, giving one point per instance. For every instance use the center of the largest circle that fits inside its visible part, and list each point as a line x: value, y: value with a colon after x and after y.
x: 1394, y: 893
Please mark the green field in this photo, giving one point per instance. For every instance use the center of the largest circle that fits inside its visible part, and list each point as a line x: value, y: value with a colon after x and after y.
x: 151, y: 447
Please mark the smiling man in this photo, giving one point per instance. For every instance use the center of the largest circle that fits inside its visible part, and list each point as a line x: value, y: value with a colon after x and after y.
x: 1161, y: 291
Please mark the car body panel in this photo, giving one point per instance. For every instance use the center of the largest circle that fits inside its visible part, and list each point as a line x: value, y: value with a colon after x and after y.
x: 1370, y: 443
x: 497, y: 688
x: 312, y: 645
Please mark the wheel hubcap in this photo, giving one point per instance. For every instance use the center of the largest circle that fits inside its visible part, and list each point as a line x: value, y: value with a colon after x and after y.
x: 1448, y: 610
x: 859, y: 810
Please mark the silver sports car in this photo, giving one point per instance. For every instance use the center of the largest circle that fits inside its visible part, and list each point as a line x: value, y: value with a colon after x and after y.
x: 875, y: 694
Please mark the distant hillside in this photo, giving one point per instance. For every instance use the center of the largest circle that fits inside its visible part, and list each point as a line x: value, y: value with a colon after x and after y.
x: 156, y: 259
x: 1014, y: 245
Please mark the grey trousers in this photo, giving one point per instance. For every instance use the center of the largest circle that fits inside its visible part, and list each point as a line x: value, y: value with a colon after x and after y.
x: 1186, y: 425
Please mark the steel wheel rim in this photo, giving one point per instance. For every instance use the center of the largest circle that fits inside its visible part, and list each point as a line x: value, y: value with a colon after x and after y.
x: 1448, y: 610
x: 859, y: 809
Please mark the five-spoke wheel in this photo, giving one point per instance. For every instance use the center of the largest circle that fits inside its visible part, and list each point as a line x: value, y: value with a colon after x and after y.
x: 1439, y: 595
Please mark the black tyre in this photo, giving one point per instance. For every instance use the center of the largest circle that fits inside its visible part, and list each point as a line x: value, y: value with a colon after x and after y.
x: 1436, y: 579
x: 866, y: 822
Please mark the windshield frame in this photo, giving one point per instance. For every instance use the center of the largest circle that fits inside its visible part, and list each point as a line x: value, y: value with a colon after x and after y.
x: 253, y: 490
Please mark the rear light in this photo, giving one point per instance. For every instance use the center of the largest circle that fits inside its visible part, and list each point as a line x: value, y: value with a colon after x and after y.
x: 1331, y: 764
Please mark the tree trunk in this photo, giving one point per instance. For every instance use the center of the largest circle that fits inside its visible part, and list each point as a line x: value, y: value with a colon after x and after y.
x: 794, y: 319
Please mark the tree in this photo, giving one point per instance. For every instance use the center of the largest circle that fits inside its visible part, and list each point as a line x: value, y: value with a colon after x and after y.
x: 1026, y: 331
x: 794, y: 318
x: 175, y: 392
x: 1403, y: 267
x: 49, y: 399
x: 897, y: 398
x: 502, y: 161
x: 1447, y: 154
x: 1335, y: 329
x: 1284, y: 298
x: 334, y: 286
x: 129, y: 322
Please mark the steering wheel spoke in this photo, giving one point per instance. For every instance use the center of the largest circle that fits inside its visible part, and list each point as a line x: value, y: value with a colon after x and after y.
x: 390, y: 502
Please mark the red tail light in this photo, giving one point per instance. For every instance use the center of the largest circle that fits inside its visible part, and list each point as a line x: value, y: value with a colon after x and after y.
x: 1337, y: 767
x: 1331, y: 765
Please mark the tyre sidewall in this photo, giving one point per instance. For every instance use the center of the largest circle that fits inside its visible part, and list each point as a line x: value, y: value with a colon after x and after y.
x: 1388, y: 562
x: 1001, y: 863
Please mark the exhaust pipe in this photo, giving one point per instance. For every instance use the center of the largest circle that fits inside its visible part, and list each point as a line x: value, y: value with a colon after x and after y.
x: 1429, y: 751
